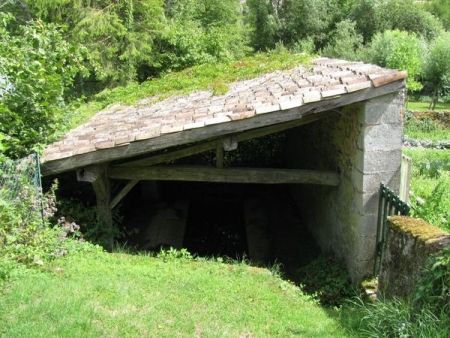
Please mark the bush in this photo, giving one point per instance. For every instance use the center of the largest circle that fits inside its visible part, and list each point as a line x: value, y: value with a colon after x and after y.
x: 27, y: 237
x: 434, y: 285
x: 327, y: 280
x: 435, y: 206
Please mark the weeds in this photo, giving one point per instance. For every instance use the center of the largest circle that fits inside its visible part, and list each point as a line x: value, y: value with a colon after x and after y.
x: 215, y: 77
x: 394, y: 318
x: 327, y: 280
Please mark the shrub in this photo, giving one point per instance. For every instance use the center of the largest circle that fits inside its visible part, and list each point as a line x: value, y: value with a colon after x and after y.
x: 27, y: 237
x: 434, y: 285
x: 435, y: 207
x: 327, y: 280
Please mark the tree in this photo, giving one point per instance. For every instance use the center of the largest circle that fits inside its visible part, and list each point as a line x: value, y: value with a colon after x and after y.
x: 199, y: 31
x: 301, y: 19
x: 264, y: 23
x: 345, y: 42
x: 399, y: 50
x: 441, y: 9
x: 119, y: 35
x: 36, y: 84
x: 374, y: 17
x: 437, y: 66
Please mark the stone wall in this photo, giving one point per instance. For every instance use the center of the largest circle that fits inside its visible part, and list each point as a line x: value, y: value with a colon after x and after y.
x: 409, y: 243
x: 363, y: 142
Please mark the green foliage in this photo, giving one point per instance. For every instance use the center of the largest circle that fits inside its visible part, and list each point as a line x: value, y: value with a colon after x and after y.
x: 90, y: 228
x: 174, y: 255
x: 433, y: 168
x: 441, y: 9
x: 434, y: 286
x: 345, y: 42
x: 198, y: 32
x: 305, y: 18
x: 327, y: 280
x: 201, y: 77
x: 118, y: 34
x: 423, y: 129
x: 437, y: 66
x: 264, y: 22
x: 394, y: 318
x: 25, y: 235
x: 36, y: 91
x: 430, y: 185
x: 374, y: 17
x: 435, y: 206
x: 398, y: 50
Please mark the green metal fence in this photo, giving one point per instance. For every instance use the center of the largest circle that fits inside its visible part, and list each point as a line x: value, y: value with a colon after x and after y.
x: 388, y: 204
x: 20, y: 180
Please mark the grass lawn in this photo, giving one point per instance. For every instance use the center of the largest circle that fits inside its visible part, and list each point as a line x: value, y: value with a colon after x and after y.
x: 424, y: 106
x: 121, y: 295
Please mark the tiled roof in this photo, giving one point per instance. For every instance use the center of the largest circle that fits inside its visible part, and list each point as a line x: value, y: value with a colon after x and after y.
x: 121, y: 126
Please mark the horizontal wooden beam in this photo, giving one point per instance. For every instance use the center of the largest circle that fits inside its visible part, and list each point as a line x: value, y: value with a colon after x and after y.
x: 226, y: 175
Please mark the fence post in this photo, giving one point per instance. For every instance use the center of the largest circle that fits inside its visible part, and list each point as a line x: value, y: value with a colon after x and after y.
x: 405, y: 178
x: 38, y: 183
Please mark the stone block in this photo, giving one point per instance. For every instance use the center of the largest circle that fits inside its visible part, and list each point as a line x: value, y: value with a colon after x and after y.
x: 378, y: 161
x: 409, y: 243
x: 365, y: 203
x: 382, y: 137
x: 385, y: 109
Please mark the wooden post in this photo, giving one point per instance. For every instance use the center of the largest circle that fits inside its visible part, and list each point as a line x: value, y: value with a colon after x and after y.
x: 219, y: 155
x: 100, y: 182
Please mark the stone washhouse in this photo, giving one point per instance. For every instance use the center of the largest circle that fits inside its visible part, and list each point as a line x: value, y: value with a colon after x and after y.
x: 342, y: 127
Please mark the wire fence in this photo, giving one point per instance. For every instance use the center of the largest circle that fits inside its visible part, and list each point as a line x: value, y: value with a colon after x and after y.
x: 20, y: 180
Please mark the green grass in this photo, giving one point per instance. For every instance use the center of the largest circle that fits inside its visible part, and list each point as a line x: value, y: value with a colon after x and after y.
x: 121, y: 295
x: 214, y: 77
x: 439, y: 134
x: 424, y: 106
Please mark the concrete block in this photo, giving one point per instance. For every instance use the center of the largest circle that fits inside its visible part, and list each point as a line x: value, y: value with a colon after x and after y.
x: 378, y: 161
x: 385, y: 109
x: 381, y: 137
x: 367, y: 183
x: 368, y: 229
x: 366, y: 203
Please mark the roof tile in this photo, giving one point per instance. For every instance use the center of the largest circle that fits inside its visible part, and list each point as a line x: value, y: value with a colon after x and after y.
x: 280, y: 90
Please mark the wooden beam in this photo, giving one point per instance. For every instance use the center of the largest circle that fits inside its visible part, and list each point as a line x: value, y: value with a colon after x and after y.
x: 102, y: 190
x: 174, y: 155
x: 89, y: 173
x: 214, y: 131
x: 226, y: 175
x: 125, y: 190
x: 219, y: 155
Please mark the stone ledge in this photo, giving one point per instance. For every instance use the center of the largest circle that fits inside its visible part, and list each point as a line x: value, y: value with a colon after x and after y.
x: 409, y: 243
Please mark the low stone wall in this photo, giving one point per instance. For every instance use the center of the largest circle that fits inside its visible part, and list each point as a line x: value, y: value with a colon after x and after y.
x: 409, y: 243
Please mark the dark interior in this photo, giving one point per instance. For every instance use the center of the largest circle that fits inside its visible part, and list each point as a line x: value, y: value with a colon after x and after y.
x: 216, y: 221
